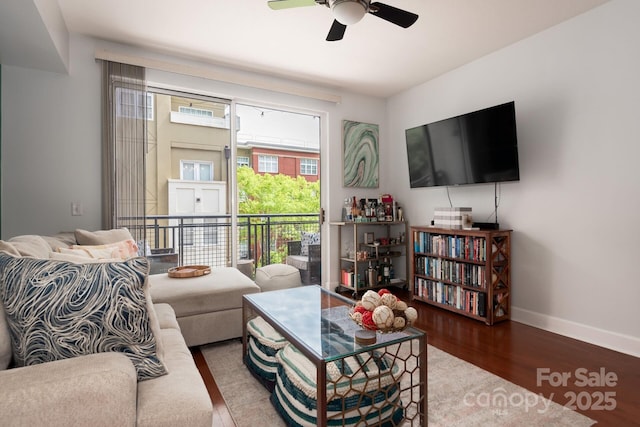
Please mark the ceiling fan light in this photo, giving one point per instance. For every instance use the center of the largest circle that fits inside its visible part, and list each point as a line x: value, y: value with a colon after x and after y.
x: 348, y: 12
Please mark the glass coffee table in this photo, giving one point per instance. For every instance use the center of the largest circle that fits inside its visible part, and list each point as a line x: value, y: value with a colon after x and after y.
x: 316, y: 323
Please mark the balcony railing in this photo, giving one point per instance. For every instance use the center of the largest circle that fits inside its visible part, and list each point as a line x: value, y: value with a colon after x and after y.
x: 206, y: 240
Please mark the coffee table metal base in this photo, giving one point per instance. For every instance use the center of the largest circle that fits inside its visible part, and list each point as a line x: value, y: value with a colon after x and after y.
x: 346, y: 376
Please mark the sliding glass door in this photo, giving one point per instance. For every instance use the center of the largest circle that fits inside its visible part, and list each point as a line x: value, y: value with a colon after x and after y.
x: 278, y: 175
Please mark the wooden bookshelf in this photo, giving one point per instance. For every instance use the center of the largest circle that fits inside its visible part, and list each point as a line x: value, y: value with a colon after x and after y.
x: 464, y: 271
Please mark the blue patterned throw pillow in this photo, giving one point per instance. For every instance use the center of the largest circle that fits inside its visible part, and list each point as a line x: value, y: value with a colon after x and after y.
x: 58, y: 310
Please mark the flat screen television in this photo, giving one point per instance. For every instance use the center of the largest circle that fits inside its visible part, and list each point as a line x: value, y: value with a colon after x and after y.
x: 473, y: 148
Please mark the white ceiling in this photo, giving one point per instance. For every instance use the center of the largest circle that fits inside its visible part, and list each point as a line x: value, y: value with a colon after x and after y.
x: 375, y: 57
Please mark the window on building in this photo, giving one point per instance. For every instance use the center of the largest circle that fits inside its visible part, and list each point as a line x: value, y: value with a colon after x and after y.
x: 130, y: 103
x: 196, y: 171
x: 268, y: 164
x: 242, y: 161
x: 308, y: 167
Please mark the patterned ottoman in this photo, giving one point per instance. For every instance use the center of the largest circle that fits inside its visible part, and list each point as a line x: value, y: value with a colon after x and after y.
x: 263, y: 344
x: 361, y: 390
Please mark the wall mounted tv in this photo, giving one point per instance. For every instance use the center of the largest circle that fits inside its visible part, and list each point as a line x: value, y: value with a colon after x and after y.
x: 472, y: 148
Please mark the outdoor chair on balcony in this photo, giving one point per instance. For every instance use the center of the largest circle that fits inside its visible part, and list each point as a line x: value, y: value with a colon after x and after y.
x: 304, y: 255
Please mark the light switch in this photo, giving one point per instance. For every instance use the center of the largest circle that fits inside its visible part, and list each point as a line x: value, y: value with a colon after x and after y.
x: 77, y: 209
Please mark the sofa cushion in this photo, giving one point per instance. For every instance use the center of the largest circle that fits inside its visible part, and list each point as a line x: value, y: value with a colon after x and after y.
x: 58, y: 310
x: 298, y: 261
x: 166, y: 316
x: 8, y: 248
x: 179, y: 398
x: 102, y: 237
x: 61, y: 240
x: 31, y: 246
x: 94, y: 390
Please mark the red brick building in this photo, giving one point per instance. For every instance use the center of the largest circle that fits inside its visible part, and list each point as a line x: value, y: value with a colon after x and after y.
x: 290, y: 161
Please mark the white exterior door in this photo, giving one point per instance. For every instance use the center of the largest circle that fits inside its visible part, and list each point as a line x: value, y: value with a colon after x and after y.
x: 196, y: 200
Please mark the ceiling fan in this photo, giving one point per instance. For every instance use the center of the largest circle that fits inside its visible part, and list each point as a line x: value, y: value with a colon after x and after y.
x: 348, y: 12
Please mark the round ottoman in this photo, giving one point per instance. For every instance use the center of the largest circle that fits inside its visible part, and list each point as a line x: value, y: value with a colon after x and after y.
x: 277, y: 276
x: 361, y: 390
x: 263, y: 345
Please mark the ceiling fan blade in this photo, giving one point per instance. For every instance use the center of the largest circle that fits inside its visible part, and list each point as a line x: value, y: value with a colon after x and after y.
x: 393, y: 14
x: 336, y: 32
x: 286, y: 4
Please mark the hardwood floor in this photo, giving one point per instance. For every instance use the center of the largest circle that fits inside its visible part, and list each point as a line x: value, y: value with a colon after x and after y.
x: 527, y: 356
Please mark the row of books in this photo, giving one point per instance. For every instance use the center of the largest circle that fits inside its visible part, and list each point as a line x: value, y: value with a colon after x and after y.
x: 349, y: 278
x: 455, y: 296
x: 452, y: 271
x: 467, y: 247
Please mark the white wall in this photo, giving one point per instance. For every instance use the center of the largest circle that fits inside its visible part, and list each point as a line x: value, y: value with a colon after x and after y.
x: 51, y: 146
x: 575, y: 210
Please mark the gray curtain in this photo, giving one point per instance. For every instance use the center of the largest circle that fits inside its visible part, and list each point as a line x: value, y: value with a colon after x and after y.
x: 124, y: 147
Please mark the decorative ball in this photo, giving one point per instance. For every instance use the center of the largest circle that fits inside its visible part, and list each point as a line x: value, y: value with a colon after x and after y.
x: 383, y: 317
x: 398, y: 322
x: 383, y: 291
x: 367, y: 320
x: 411, y: 314
x: 370, y: 300
x: 401, y: 305
x: 357, y: 317
x: 359, y: 309
x: 389, y: 300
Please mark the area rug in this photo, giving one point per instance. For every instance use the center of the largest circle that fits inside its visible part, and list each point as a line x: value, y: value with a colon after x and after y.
x: 460, y: 394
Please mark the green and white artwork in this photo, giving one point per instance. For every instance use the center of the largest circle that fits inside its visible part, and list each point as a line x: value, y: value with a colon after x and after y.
x: 360, y: 144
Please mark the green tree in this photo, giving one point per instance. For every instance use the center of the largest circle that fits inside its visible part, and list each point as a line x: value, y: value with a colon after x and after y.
x: 278, y: 194
x: 270, y: 194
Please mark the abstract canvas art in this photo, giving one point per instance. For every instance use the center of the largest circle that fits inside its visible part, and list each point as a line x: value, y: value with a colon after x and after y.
x: 360, y: 145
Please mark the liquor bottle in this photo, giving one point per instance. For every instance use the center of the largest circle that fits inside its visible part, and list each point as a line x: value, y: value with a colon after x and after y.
x: 354, y: 209
x: 386, y: 278
x: 380, y: 210
x: 384, y: 272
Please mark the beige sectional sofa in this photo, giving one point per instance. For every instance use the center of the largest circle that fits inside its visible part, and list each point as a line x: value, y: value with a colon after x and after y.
x: 106, y: 388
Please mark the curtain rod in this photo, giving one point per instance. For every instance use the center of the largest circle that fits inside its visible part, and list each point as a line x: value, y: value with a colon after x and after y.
x: 210, y: 74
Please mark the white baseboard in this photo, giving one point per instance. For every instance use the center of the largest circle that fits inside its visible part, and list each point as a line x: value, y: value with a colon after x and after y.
x: 600, y: 337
